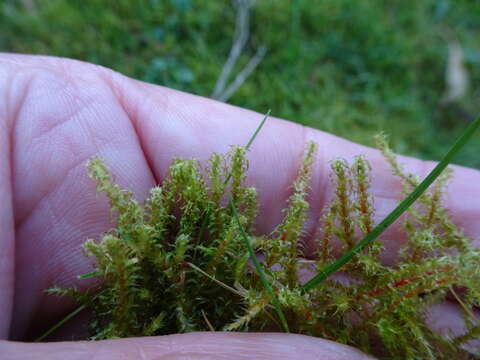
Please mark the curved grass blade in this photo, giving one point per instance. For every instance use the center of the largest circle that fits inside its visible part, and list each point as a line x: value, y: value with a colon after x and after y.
x: 399, y: 210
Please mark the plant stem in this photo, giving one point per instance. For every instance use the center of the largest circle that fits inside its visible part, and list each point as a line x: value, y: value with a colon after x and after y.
x: 229, y: 176
x: 259, y: 267
x: 399, y: 210
x: 246, y: 238
x: 61, y: 322
x: 254, y: 136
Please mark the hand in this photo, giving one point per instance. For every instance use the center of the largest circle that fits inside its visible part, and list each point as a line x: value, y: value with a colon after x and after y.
x: 55, y: 114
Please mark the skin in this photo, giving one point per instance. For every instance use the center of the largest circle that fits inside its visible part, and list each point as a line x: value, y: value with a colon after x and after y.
x: 56, y: 113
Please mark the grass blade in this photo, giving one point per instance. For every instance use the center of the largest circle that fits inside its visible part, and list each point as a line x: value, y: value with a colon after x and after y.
x: 61, y: 322
x: 227, y: 179
x: 246, y: 239
x: 251, y: 140
x: 399, y: 210
x: 254, y: 136
x: 259, y: 267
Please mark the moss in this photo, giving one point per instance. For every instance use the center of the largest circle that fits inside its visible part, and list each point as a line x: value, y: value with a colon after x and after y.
x: 178, y: 263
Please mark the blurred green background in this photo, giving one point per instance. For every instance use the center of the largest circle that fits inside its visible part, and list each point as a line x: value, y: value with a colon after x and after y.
x: 352, y: 68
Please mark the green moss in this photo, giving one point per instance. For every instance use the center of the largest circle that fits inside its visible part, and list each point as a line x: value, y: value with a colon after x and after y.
x: 178, y: 263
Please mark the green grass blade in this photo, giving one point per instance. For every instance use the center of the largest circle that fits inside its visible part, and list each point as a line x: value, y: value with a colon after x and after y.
x: 259, y: 267
x: 254, y: 136
x: 61, y: 322
x: 251, y: 140
x: 206, y: 217
x: 90, y: 275
x: 399, y: 210
x: 246, y: 239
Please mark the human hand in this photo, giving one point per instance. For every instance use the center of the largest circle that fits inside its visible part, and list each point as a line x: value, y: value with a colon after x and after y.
x: 57, y: 113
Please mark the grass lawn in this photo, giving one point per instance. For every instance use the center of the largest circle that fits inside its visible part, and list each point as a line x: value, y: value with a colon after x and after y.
x: 349, y: 68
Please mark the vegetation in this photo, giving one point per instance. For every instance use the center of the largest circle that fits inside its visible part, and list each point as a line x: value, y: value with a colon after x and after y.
x: 182, y: 261
x: 350, y: 68
x: 179, y: 263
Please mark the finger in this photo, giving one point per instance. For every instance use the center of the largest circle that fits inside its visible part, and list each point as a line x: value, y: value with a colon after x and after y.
x: 212, y: 346
x: 175, y: 124
x: 7, y: 255
x: 448, y: 319
x: 56, y: 122
x: 75, y: 110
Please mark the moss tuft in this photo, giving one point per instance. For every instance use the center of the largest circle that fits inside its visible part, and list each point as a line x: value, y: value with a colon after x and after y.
x: 178, y: 263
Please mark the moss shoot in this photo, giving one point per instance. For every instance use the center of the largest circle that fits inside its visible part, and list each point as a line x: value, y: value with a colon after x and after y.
x: 178, y: 262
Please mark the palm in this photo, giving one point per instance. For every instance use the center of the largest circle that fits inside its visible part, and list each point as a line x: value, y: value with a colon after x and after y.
x: 57, y: 114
